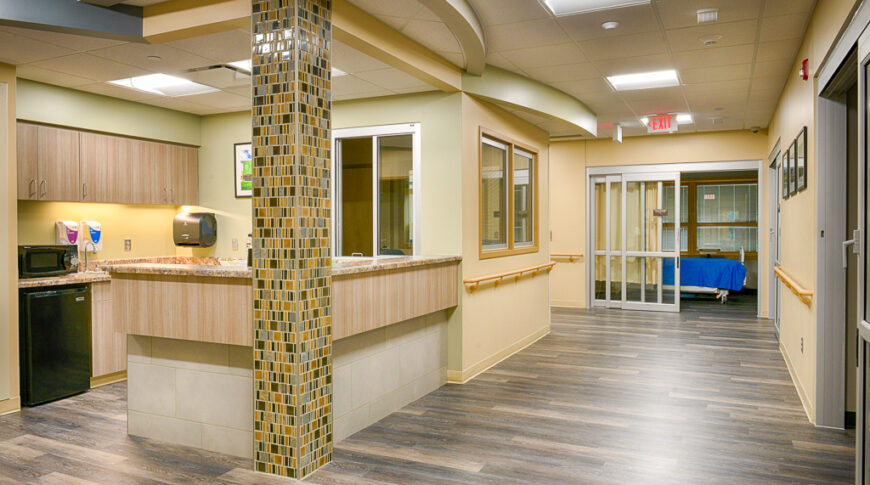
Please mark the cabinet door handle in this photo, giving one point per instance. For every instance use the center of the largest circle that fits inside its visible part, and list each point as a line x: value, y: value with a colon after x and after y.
x: 85, y: 190
x: 165, y: 198
x: 32, y: 189
x: 43, y: 188
x: 172, y: 194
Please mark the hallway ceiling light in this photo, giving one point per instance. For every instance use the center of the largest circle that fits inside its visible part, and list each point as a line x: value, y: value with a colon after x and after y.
x: 610, y: 25
x: 644, y: 80
x: 164, y: 85
x: 245, y: 65
x: 684, y: 119
x: 571, y: 7
x: 707, y: 15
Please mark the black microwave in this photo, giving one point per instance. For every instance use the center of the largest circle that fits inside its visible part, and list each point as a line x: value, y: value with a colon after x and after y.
x: 41, y: 261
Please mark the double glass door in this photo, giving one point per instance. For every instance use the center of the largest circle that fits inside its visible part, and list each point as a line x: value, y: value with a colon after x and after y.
x: 635, y: 238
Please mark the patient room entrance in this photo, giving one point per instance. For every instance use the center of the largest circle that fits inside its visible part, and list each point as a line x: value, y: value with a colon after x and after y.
x: 662, y: 234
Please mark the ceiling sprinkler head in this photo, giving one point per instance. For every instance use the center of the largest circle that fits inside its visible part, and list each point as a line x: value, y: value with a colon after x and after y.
x: 710, y: 40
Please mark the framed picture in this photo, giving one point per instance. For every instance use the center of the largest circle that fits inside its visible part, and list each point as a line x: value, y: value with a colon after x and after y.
x: 244, y: 170
x: 792, y: 170
x: 801, y: 148
x: 784, y: 173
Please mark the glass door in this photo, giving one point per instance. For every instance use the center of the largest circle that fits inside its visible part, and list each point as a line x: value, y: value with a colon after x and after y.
x: 862, y: 442
x: 636, y: 263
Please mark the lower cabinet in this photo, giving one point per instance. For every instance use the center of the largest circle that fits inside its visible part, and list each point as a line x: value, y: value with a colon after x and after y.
x: 108, y: 347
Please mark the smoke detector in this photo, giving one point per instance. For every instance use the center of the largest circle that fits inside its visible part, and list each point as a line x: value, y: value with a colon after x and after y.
x: 610, y: 25
x: 707, y: 15
x: 710, y: 40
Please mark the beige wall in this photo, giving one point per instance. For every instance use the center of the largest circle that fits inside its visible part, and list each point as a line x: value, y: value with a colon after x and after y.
x: 9, y: 390
x: 569, y: 160
x: 497, y: 321
x: 796, y: 109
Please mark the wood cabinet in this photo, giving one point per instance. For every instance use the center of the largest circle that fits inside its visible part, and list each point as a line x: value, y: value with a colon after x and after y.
x: 108, y: 347
x: 48, y: 163
x: 61, y: 164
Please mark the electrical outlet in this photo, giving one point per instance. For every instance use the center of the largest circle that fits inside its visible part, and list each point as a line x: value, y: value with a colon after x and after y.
x: 802, y: 345
x: 235, y: 244
x: 128, y: 245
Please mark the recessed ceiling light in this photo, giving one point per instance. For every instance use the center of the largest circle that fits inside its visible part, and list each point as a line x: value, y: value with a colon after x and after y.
x: 706, y: 15
x: 336, y: 72
x: 571, y: 7
x: 644, y: 80
x: 684, y: 119
x: 164, y: 85
x: 244, y: 65
x: 610, y: 25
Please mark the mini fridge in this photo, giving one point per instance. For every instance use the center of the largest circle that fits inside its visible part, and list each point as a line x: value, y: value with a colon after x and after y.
x: 55, y: 335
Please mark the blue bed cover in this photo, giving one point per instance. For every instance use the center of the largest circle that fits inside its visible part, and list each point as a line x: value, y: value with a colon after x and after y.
x: 721, y: 273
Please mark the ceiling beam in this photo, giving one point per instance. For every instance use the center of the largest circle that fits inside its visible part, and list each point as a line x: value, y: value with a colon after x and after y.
x: 183, y: 19
x: 72, y: 17
x: 461, y: 19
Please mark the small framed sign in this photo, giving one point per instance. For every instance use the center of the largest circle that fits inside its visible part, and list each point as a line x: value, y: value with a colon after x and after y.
x: 801, y: 148
x: 784, y: 173
x: 244, y: 170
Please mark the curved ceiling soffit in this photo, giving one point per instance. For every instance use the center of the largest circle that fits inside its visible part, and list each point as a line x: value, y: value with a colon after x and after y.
x: 532, y: 96
x: 461, y: 19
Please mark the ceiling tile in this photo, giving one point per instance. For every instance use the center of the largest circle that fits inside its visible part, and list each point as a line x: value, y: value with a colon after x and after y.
x: 92, y: 67
x: 79, y: 43
x: 718, y: 73
x: 644, y: 44
x: 661, y: 100
x: 778, y: 50
x: 29, y: 71
x: 732, y: 33
x: 630, y: 65
x: 587, y: 87
x: 545, y: 56
x: 15, y: 49
x: 714, y: 56
x: 397, y: 23
x: 219, y: 99
x: 116, y: 91
x: 683, y: 13
x: 778, y: 69
x: 352, y: 85
x: 783, y: 7
x: 725, y: 124
x: 496, y: 12
x: 391, y: 79
x: 395, y: 8
x: 703, y: 89
x: 351, y: 60
x: 433, y: 35
x: 230, y: 46
x: 455, y: 58
x: 531, y: 33
x: 426, y: 14
x: 632, y: 20
x: 177, y: 104
x: 500, y: 61
x: 171, y: 59
x: 568, y: 72
x: 792, y: 26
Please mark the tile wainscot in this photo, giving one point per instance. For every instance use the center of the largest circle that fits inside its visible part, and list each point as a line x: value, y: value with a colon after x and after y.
x: 190, y: 336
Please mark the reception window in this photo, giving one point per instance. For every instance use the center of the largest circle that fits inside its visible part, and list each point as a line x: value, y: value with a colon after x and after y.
x: 375, y: 198
x: 508, y: 199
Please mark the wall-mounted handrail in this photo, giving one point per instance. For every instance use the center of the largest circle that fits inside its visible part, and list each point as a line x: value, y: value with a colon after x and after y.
x: 804, y: 294
x: 473, y: 283
x: 571, y: 256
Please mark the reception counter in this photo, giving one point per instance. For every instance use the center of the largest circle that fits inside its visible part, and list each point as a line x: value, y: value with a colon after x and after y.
x: 190, y: 337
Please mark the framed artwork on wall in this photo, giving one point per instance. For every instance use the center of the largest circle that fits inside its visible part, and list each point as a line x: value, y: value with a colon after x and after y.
x: 801, y: 146
x: 792, y: 170
x: 244, y: 173
x: 786, y: 157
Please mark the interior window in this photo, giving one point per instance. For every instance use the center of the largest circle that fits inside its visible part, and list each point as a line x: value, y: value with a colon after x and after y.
x: 493, y: 194
x: 523, y: 208
x: 395, y: 203
x: 356, y: 196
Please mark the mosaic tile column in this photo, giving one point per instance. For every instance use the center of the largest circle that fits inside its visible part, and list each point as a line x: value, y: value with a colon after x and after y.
x: 291, y: 263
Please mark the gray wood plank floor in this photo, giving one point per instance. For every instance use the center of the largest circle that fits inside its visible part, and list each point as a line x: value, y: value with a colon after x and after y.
x: 607, y: 397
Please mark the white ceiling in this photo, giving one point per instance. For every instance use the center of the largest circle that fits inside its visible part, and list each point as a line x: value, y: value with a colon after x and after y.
x: 86, y: 63
x: 732, y: 85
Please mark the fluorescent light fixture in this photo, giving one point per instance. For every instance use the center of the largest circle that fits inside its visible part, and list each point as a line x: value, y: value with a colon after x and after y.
x: 610, y: 25
x: 571, y: 7
x: 164, y: 85
x: 644, y: 80
x: 684, y: 119
x: 244, y: 65
x: 707, y: 15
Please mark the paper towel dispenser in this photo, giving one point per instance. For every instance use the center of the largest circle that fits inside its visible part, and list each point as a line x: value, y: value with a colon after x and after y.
x: 195, y: 229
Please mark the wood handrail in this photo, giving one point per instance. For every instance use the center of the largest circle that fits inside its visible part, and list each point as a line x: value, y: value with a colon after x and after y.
x: 473, y: 283
x: 802, y: 293
x: 571, y: 256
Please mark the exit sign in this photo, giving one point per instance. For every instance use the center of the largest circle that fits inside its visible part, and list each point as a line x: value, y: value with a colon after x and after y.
x: 662, y: 124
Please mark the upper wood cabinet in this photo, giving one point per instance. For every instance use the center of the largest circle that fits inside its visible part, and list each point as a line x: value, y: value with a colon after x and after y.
x: 48, y: 163
x: 60, y: 164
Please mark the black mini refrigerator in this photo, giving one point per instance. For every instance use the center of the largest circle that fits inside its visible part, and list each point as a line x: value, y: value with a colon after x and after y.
x: 55, y: 334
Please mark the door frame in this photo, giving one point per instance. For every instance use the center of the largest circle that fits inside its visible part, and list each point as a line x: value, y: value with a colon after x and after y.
x: 686, y: 167
x: 774, y: 191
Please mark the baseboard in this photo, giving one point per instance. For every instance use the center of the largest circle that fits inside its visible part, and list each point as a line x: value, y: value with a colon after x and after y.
x: 108, y: 379
x: 10, y: 405
x: 567, y: 304
x: 802, y: 394
x: 463, y: 376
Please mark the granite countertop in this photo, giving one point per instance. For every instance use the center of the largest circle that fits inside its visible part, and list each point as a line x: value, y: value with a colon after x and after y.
x: 70, y: 279
x: 341, y: 267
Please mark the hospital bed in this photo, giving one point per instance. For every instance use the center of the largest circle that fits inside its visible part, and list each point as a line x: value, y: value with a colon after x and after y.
x: 707, y: 275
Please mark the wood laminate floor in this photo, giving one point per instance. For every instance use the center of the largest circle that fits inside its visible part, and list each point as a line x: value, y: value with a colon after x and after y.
x: 608, y: 397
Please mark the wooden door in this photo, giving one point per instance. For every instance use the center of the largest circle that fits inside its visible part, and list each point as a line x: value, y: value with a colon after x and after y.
x: 28, y: 148
x: 183, y: 172
x: 109, y: 348
x: 123, y: 170
x: 97, y: 161
x: 149, y: 180
x: 58, y: 164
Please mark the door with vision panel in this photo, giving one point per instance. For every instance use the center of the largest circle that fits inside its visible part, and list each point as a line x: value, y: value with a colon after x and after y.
x: 862, y: 434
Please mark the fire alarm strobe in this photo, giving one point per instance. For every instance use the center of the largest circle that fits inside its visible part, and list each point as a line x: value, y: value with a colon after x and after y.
x: 805, y: 69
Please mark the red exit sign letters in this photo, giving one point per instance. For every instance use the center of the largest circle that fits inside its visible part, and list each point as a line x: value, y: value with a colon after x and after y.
x: 662, y: 124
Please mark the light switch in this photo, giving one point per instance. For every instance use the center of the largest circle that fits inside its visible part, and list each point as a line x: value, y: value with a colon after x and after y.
x: 128, y: 245
x: 235, y: 244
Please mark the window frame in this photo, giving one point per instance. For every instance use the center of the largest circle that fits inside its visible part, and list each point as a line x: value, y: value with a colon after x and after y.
x: 512, y: 145
x: 692, y: 224
x: 375, y: 132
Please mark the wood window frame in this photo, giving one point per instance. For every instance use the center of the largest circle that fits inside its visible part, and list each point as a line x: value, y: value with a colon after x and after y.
x: 511, y: 249
x: 692, y: 224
